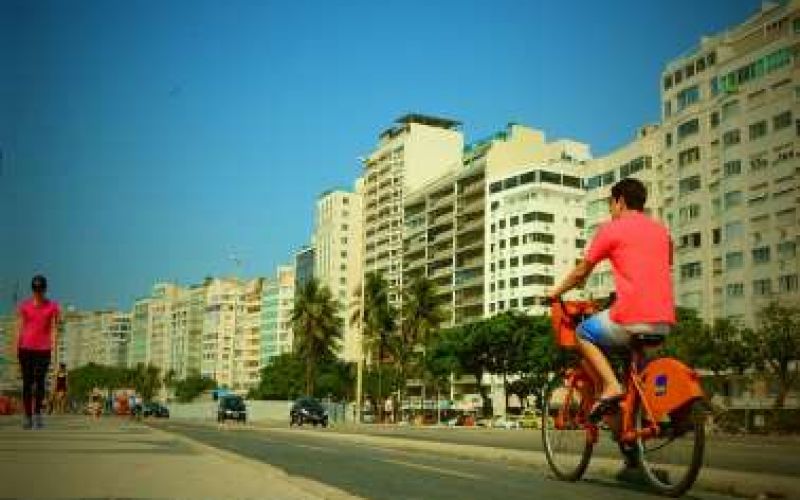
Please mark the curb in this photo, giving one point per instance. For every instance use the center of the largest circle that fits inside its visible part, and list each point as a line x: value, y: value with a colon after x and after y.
x: 311, y: 487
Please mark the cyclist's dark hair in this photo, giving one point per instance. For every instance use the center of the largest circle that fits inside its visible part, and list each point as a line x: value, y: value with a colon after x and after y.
x: 632, y: 191
x: 39, y: 283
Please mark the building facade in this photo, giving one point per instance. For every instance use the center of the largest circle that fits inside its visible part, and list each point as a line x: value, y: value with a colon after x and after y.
x: 409, y: 155
x: 304, y: 262
x: 640, y: 159
x: 99, y: 337
x: 276, y: 315
x: 730, y: 149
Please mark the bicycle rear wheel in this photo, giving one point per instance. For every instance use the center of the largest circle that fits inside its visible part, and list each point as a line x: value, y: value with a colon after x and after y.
x: 567, y: 440
x: 672, y: 461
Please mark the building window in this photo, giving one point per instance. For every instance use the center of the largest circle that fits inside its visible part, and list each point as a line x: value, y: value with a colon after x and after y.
x: 495, y: 205
x: 514, y: 221
x: 513, y: 262
x: 513, y: 303
x: 667, y: 108
x: 758, y: 130
x: 730, y: 109
x: 668, y: 139
x: 733, y: 231
x: 501, y: 264
x: 689, y: 184
x: 527, y: 178
x: 502, y: 224
x: 538, y: 238
x: 493, y: 228
x: 579, y: 223
x: 501, y: 285
x: 731, y: 138
x: 787, y: 283
x: 580, y: 243
x: 688, y: 213
x: 688, y: 96
x: 716, y: 236
x: 537, y: 279
x: 714, y: 119
x: 733, y: 167
x: 667, y: 82
x: 734, y: 260
x: 688, y: 128
x: 501, y: 305
x: 688, y: 156
x: 538, y: 216
x: 782, y: 121
x: 514, y: 241
x: 491, y: 287
x: 691, y: 270
x: 513, y: 283
x: 761, y: 255
x: 495, y: 187
x: 692, y: 240
x: 762, y: 287
x: 787, y: 249
x: 733, y: 199
x: 734, y: 290
x: 537, y: 258
x: 527, y: 301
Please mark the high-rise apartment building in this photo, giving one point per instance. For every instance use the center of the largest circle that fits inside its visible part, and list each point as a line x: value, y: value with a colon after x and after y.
x: 304, y: 261
x: 337, y: 236
x: 730, y: 150
x: 276, y: 314
x: 219, y: 329
x: 186, y: 329
x: 640, y: 159
x: 410, y: 154
x: 8, y: 362
x: 245, y: 371
x: 99, y: 337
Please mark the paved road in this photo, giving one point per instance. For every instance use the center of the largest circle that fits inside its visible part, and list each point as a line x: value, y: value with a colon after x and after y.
x: 751, y: 454
x: 384, y: 473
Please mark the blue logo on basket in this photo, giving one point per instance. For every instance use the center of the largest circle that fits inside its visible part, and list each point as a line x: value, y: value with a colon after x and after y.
x: 661, y: 385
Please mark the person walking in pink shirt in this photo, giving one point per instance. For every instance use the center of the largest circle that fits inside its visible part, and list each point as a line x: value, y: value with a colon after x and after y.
x: 640, y: 252
x: 38, y: 319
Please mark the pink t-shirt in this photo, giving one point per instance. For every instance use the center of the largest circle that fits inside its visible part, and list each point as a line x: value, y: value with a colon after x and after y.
x: 640, y: 251
x: 37, y: 324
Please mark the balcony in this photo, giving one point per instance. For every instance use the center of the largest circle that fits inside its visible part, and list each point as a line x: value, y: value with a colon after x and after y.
x: 470, y: 246
x: 469, y: 301
x: 472, y: 225
x: 471, y: 207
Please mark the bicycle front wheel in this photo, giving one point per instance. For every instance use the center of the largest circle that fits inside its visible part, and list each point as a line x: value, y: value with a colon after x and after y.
x: 671, y: 461
x: 567, y: 441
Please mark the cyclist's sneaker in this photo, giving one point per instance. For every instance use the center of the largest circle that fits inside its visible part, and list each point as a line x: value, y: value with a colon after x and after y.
x: 27, y: 422
x: 605, y: 406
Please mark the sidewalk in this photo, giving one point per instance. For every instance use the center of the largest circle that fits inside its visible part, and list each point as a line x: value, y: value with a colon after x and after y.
x: 74, y: 457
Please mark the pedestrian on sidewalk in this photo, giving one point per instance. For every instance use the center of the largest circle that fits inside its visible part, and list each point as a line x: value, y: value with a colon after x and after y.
x: 37, y: 336
x: 61, y: 389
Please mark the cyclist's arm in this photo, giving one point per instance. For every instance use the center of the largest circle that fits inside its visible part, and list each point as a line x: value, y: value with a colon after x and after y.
x: 575, y: 278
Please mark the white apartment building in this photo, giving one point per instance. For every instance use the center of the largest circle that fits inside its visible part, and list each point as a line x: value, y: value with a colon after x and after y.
x: 410, y: 154
x: 245, y: 371
x: 219, y: 330
x: 186, y: 330
x: 535, y: 233
x: 730, y: 150
x: 276, y: 317
x: 640, y: 159
x: 99, y: 337
x: 337, y: 236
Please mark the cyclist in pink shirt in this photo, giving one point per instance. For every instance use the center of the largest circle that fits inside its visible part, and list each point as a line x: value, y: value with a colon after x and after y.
x: 640, y: 252
x: 38, y: 319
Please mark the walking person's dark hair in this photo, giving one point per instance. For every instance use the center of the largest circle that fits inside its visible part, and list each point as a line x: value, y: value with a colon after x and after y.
x: 39, y: 283
x: 632, y: 191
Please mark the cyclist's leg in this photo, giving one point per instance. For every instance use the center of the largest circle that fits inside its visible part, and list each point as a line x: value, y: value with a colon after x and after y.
x: 593, y: 334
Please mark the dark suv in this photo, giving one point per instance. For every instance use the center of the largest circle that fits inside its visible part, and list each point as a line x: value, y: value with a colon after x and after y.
x: 308, y: 410
x: 231, y: 407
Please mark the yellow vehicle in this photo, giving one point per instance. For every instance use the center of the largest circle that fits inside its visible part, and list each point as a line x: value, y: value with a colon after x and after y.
x: 530, y: 419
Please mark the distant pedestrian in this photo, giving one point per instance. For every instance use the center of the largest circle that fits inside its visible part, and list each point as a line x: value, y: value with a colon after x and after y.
x: 61, y: 389
x: 38, y: 326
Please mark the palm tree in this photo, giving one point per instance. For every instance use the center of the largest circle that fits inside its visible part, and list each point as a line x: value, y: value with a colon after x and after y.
x: 317, y: 327
x: 376, y: 316
x: 421, y: 315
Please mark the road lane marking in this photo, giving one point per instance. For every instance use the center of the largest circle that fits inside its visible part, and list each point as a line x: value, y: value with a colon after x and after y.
x: 430, y: 468
x: 308, y: 446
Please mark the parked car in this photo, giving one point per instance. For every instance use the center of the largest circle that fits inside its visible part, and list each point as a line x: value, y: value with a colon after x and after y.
x: 231, y: 407
x: 530, y: 420
x: 308, y: 410
x: 154, y: 409
x: 507, y: 422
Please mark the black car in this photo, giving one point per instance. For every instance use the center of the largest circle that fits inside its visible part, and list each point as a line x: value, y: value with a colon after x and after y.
x: 308, y: 410
x: 155, y: 410
x: 231, y: 407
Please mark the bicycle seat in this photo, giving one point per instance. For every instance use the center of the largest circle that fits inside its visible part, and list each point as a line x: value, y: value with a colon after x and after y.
x: 648, y: 339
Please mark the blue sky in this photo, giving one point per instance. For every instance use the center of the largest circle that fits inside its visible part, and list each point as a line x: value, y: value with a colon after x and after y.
x: 146, y: 140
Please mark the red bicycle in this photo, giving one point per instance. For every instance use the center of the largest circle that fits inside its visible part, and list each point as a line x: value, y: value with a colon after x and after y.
x: 660, y: 425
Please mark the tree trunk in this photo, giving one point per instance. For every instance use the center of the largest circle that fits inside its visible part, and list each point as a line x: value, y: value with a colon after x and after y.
x: 505, y: 393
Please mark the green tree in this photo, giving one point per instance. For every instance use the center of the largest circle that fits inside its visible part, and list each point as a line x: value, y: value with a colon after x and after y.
x: 282, y: 378
x: 191, y: 387
x: 146, y: 379
x: 776, y: 341
x: 377, y: 318
x: 421, y: 316
x: 317, y: 328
